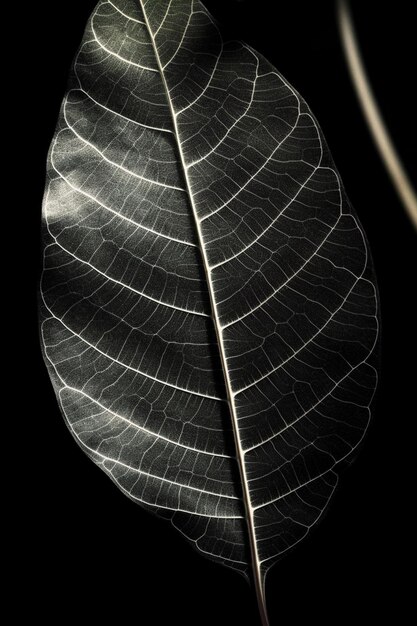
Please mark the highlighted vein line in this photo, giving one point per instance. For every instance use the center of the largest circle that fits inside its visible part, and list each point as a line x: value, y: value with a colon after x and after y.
x: 132, y: 19
x: 312, y: 408
x: 122, y: 217
x: 307, y: 343
x: 162, y: 22
x: 236, y: 122
x: 129, y: 367
x: 183, y: 35
x: 142, y: 428
x: 318, y: 332
x: 159, y: 506
x: 191, y: 104
x: 124, y: 285
x: 124, y: 117
x: 285, y: 495
x: 164, y: 480
x: 289, y: 279
x: 258, y: 578
x: 117, y: 165
x: 114, y: 54
x: 171, y: 508
x: 271, y: 156
x: 258, y: 237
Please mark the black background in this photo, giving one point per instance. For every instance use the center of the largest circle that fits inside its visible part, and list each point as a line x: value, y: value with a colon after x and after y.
x: 94, y: 555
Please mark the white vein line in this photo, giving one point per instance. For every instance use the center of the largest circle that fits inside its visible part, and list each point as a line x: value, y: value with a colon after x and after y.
x: 271, y: 156
x: 288, y: 493
x: 113, y: 163
x: 289, y: 279
x: 82, y: 444
x: 120, y: 283
x: 163, y: 19
x: 114, y: 54
x: 124, y: 117
x: 311, y: 480
x: 235, y: 256
x: 196, y: 542
x: 208, y: 83
x: 129, y: 367
x: 220, y: 557
x: 300, y: 417
x: 308, y: 527
x: 235, y: 123
x: 122, y: 217
x: 183, y: 35
x: 203, y: 534
x: 230, y: 400
x: 307, y: 343
x: 279, y: 554
x: 153, y: 476
x: 142, y: 428
x: 270, y: 226
x: 132, y: 19
x: 168, y: 508
x: 335, y: 386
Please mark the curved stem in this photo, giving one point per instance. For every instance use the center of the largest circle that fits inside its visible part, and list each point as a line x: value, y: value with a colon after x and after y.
x: 372, y: 113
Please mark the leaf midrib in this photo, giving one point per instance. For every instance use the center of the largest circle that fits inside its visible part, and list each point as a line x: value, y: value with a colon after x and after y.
x: 256, y: 566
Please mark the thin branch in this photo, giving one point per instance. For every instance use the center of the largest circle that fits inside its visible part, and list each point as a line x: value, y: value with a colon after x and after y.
x: 372, y: 114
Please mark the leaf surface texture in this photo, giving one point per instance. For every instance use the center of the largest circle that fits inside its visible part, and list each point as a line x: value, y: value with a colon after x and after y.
x: 209, y: 307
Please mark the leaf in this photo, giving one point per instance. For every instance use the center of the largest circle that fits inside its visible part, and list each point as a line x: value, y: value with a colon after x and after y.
x: 209, y: 309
